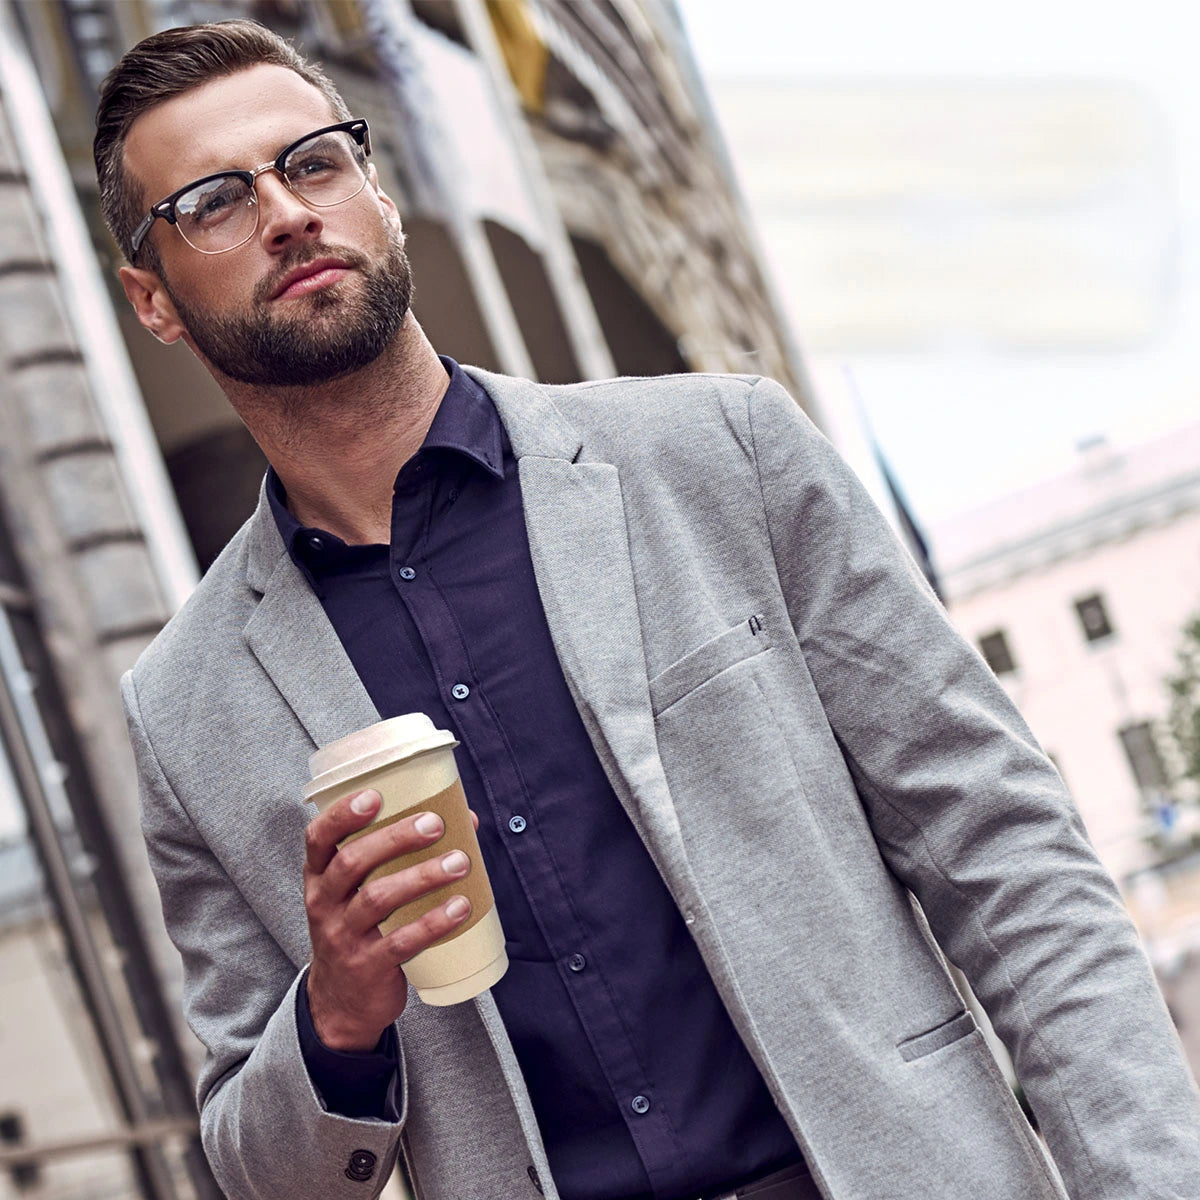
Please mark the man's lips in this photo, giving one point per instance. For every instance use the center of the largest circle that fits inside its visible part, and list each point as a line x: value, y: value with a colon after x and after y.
x: 311, y: 277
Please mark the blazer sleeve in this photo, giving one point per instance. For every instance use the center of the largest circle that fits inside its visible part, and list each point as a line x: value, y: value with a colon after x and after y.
x: 972, y: 817
x: 265, y: 1131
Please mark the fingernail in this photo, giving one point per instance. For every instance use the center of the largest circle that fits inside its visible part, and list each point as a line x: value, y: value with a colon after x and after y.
x: 454, y: 862
x: 458, y: 907
x: 428, y: 823
x: 364, y: 803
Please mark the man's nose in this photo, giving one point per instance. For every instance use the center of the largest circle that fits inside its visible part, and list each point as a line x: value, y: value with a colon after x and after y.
x: 283, y: 217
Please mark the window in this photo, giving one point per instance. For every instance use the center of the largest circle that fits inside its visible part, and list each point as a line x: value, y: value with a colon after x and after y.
x: 1144, y: 759
x: 995, y: 651
x: 1093, y: 617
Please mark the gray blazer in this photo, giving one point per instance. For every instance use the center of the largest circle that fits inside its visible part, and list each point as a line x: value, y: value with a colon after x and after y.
x: 802, y: 742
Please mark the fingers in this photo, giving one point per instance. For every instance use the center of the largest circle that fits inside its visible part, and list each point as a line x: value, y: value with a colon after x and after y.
x: 354, y: 987
x: 347, y: 816
x: 340, y: 870
x: 380, y: 897
x: 409, y: 940
x: 356, y: 812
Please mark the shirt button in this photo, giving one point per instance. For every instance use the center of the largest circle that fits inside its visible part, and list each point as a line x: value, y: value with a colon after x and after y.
x: 517, y: 824
x: 460, y: 691
x: 407, y: 573
x: 576, y: 962
x: 316, y: 542
x: 640, y: 1105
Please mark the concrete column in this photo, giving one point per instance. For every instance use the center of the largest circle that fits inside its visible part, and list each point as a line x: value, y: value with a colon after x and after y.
x: 98, y: 589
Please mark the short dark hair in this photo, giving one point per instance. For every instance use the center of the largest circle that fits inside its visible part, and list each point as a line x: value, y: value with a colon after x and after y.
x: 161, y: 67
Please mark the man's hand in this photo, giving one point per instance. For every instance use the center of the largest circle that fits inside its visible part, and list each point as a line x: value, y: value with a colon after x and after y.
x: 355, y: 986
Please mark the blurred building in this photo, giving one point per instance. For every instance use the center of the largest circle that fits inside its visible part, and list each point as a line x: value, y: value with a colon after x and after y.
x: 1076, y: 592
x: 912, y: 217
x: 569, y: 213
x: 56, y: 1078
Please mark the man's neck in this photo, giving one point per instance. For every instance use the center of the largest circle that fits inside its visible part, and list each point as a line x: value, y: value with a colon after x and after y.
x: 338, y: 448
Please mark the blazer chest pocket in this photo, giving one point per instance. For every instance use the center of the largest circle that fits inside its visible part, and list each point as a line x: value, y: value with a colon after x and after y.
x: 937, y: 1038
x: 745, y: 640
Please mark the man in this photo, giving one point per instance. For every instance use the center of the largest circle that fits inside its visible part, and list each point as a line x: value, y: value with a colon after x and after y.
x: 716, y: 729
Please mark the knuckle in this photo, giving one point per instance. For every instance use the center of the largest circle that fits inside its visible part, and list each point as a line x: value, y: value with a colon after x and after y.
x: 357, y: 961
x: 403, y: 837
x: 404, y: 943
x: 430, y: 875
x: 375, y: 895
x: 414, y: 937
x: 349, y: 862
x: 434, y: 924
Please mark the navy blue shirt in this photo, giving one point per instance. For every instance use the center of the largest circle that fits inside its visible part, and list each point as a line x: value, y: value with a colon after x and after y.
x: 641, y: 1086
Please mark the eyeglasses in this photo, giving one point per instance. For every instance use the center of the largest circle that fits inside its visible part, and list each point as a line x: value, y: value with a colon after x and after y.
x: 220, y: 212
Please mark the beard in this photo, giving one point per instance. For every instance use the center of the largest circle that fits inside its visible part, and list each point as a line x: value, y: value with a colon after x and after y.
x: 330, y: 336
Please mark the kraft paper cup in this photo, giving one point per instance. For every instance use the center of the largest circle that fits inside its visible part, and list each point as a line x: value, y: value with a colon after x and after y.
x: 410, y: 763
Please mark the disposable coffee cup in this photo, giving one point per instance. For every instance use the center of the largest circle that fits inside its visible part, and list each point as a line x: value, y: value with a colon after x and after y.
x: 410, y: 763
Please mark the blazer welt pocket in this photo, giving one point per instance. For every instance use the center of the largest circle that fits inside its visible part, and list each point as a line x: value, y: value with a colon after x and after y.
x: 937, y: 1038
x: 746, y: 639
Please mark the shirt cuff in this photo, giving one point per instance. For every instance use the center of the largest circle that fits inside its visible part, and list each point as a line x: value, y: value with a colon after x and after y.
x: 349, y: 1083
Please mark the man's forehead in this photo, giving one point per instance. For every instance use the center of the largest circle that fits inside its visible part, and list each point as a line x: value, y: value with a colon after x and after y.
x: 237, y: 120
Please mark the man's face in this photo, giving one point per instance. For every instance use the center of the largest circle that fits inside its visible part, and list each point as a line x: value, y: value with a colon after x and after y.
x: 316, y: 292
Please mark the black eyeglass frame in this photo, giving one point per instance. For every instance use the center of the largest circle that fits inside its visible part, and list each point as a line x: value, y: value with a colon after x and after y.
x: 356, y: 128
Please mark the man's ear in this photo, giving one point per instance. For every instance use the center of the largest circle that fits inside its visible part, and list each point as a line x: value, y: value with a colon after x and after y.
x: 145, y: 292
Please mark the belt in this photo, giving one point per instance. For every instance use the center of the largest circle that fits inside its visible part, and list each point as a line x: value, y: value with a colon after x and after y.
x: 792, y: 1183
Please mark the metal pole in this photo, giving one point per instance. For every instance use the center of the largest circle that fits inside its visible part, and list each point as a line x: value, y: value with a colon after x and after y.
x: 38, y: 785
x: 121, y: 1139
x: 562, y: 268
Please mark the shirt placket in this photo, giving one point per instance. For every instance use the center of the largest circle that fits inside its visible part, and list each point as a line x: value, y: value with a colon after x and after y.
x: 516, y: 819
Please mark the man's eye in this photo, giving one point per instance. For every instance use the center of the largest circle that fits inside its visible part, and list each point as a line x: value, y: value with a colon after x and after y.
x: 215, y: 206
x: 311, y: 167
x: 212, y: 206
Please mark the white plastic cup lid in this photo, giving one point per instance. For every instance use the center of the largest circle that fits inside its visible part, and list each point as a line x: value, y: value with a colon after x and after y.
x: 375, y: 746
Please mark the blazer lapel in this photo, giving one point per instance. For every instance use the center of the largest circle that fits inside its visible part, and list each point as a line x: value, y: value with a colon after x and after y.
x: 577, y: 536
x: 294, y: 642
x: 580, y: 547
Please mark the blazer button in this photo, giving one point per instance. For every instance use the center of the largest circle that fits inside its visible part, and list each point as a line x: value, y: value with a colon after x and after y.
x: 361, y: 1166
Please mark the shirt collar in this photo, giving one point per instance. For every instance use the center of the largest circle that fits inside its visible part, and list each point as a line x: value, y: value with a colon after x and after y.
x: 466, y: 423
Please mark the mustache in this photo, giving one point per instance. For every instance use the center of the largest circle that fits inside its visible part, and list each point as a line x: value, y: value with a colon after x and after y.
x: 301, y: 256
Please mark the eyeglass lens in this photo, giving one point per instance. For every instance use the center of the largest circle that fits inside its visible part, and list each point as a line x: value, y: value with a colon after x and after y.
x: 221, y: 212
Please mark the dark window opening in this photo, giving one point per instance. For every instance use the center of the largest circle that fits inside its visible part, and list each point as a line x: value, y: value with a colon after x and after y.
x: 996, y: 653
x: 1094, y: 618
x: 1145, y: 762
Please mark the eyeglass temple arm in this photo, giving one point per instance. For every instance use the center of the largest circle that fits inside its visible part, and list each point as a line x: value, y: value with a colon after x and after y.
x: 139, y: 234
